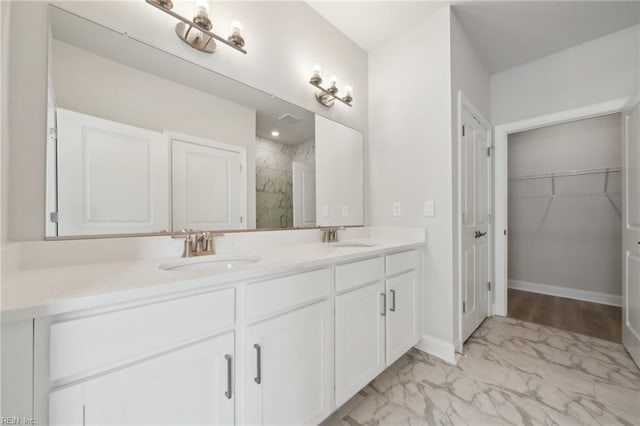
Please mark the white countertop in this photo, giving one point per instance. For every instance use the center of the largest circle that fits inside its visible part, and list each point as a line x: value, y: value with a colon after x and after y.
x: 32, y: 293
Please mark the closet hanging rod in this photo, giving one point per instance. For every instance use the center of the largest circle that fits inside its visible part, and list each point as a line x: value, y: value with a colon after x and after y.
x: 567, y: 173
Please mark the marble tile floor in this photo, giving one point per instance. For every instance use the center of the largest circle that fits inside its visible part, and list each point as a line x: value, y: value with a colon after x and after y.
x: 513, y: 372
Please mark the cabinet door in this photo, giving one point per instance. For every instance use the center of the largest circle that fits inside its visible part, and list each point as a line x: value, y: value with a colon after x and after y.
x: 112, y: 178
x: 359, y: 339
x: 288, y: 370
x: 192, y: 385
x: 402, y: 314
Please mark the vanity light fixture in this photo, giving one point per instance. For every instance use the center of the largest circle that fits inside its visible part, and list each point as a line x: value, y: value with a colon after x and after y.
x: 328, y: 96
x: 197, y: 32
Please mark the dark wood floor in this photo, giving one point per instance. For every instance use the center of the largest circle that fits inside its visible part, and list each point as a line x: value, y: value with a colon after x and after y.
x: 592, y: 319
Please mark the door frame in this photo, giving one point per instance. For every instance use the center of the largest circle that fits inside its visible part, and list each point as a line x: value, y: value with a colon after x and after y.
x: 465, y: 103
x: 501, y: 177
x: 241, y: 150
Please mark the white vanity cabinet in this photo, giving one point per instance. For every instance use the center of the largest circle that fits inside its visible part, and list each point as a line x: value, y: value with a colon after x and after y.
x: 190, y: 385
x: 288, y: 357
x: 376, y: 318
x: 359, y: 326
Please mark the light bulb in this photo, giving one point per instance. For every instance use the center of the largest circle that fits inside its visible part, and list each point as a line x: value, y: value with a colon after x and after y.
x: 333, y: 81
x: 348, y: 90
x: 202, y: 8
x: 317, y: 69
x: 275, y: 133
x: 236, y: 28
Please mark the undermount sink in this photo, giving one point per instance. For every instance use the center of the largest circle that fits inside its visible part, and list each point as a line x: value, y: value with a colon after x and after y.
x: 214, y: 263
x: 354, y: 244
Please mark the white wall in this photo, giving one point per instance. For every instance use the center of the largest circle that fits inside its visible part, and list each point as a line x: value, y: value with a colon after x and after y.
x: 469, y: 75
x: 284, y: 40
x: 597, y: 71
x: 4, y: 119
x: 572, y: 241
x: 410, y: 151
x: 85, y: 82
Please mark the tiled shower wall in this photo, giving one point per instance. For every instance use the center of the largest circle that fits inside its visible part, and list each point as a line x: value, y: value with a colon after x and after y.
x: 274, y: 186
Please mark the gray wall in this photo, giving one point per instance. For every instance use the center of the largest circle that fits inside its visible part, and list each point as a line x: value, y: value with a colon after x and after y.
x: 574, y: 240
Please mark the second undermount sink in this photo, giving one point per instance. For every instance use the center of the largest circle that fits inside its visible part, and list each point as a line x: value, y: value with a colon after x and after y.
x: 216, y: 263
x: 352, y: 244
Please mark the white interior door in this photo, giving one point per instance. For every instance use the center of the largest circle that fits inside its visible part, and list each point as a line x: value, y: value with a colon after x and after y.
x: 475, y: 248
x: 631, y: 234
x: 207, y: 187
x: 304, y: 195
x: 112, y: 178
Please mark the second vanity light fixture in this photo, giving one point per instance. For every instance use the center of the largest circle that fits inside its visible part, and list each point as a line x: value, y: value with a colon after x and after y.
x: 327, y: 97
x: 197, y: 32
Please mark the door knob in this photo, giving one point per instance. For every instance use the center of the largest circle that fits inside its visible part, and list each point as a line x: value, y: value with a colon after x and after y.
x: 479, y: 234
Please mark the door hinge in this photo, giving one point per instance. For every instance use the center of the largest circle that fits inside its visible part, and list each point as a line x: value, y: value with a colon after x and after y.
x: 463, y: 130
x: 240, y: 219
x: 54, y: 217
x: 464, y: 308
x: 505, y: 232
x: 489, y: 151
x: 53, y: 134
x: 240, y: 168
x: 490, y: 218
x: 489, y: 285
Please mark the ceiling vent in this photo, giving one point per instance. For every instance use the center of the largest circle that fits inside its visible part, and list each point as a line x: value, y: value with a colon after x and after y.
x: 289, y: 118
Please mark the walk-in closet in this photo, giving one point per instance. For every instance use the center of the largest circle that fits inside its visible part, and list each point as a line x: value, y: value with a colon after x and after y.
x: 564, y: 226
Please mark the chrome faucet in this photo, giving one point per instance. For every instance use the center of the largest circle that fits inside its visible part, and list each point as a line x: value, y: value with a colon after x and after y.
x: 197, y: 243
x: 330, y: 235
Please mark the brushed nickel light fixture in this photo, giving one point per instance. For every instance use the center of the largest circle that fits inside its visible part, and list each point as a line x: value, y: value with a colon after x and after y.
x: 197, y: 32
x: 327, y: 97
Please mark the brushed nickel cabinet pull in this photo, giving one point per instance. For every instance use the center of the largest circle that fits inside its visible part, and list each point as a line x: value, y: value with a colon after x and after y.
x: 384, y: 304
x: 393, y: 300
x: 258, y: 378
x: 228, y: 392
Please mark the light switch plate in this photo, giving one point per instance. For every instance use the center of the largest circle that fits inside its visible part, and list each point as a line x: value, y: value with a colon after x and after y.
x: 345, y: 211
x: 325, y: 211
x: 429, y: 208
x: 396, y: 209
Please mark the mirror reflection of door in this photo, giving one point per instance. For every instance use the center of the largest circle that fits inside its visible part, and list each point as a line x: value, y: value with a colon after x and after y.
x: 207, y: 183
x: 304, y: 195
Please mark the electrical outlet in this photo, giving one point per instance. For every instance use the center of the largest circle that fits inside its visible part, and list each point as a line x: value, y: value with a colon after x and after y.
x: 429, y: 208
x: 396, y: 209
x: 325, y: 211
x: 345, y: 211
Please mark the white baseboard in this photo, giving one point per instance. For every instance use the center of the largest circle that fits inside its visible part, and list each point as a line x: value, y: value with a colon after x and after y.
x: 438, y: 348
x: 570, y: 293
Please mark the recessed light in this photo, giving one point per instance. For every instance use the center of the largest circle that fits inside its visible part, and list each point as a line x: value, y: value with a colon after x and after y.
x: 275, y: 133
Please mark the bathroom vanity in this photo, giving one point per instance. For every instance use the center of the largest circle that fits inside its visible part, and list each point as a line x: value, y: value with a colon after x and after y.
x: 277, y: 334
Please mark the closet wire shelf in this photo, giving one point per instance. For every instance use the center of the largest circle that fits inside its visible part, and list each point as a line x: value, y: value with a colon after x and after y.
x: 588, y: 182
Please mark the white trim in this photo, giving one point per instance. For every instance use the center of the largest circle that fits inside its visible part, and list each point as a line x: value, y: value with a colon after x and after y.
x: 438, y: 348
x: 570, y: 293
x: 501, y: 134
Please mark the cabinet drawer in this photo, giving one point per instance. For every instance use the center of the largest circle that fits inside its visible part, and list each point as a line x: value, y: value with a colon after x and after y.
x: 93, y: 342
x: 267, y: 297
x: 402, y: 262
x: 357, y: 273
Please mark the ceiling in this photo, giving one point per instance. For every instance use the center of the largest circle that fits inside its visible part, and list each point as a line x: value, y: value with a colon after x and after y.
x: 508, y: 34
x: 505, y: 33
